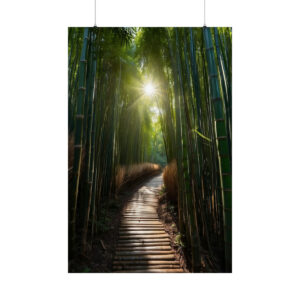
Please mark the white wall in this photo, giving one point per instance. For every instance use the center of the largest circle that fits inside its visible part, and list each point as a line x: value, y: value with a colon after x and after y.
x: 33, y: 160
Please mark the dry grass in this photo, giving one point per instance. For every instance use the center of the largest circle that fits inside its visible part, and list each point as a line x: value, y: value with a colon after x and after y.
x: 126, y: 174
x: 171, y: 181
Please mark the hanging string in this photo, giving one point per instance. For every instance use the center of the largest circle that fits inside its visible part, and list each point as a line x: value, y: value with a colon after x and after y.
x: 204, y: 14
x: 95, y: 1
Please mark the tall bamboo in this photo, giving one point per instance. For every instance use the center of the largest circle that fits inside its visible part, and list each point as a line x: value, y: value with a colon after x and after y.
x: 79, y: 128
x: 222, y: 144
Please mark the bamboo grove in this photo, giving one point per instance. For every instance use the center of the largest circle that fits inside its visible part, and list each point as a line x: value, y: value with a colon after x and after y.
x: 111, y: 124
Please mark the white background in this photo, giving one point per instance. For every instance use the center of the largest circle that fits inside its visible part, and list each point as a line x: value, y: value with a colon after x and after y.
x: 33, y: 159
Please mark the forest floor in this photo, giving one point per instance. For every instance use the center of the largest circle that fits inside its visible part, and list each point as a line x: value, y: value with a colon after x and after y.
x: 167, y: 215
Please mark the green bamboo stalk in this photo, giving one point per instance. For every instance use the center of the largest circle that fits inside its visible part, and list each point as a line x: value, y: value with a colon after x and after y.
x: 225, y: 88
x: 178, y: 135
x: 90, y: 156
x: 222, y: 145
x: 79, y: 130
x: 190, y: 178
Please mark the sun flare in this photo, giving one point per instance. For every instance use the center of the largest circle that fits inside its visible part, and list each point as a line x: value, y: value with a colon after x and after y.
x: 149, y: 89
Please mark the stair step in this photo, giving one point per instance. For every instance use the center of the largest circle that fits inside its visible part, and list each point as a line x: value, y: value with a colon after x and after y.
x: 145, y: 262
x: 148, y: 204
x: 143, y: 236
x: 141, y: 232
x: 144, y: 241
x: 142, y: 221
x: 138, y: 248
x: 140, y: 244
x: 140, y: 216
x: 152, y: 271
x: 144, y: 252
x: 142, y: 204
x: 134, y: 267
x: 145, y: 257
x: 141, y: 228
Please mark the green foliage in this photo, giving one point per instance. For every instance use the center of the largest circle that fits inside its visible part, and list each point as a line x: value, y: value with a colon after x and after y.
x: 178, y: 240
x: 162, y: 190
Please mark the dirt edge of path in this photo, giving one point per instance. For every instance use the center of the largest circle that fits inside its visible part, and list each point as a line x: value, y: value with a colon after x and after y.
x: 169, y: 220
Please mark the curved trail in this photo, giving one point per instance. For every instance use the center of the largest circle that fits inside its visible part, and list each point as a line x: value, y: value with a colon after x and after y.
x: 143, y: 245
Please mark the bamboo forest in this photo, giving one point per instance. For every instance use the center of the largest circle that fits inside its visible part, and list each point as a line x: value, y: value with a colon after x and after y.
x: 149, y: 139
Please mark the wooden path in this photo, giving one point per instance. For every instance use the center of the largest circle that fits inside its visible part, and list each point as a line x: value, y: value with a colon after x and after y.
x: 143, y: 245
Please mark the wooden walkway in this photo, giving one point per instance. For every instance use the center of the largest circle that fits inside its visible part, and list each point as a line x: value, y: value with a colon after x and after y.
x: 143, y: 245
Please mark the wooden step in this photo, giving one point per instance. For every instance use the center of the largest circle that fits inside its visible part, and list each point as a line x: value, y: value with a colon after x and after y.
x: 142, y: 236
x: 152, y: 217
x: 141, y: 225
x: 137, y: 221
x: 140, y: 244
x: 134, y: 267
x: 145, y: 262
x: 141, y: 213
x: 144, y: 257
x: 143, y: 240
x: 151, y: 205
x: 141, y: 232
x: 142, y: 229
x: 140, y: 222
x: 138, y: 227
x: 144, y: 252
x: 128, y: 217
x: 130, y: 248
x: 144, y: 219
x: 142, y: 203
x: 140, y: 216
x: 144, y: 208
x: 152, y: 271
x: 144, y: 198
x: 141, y: 209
